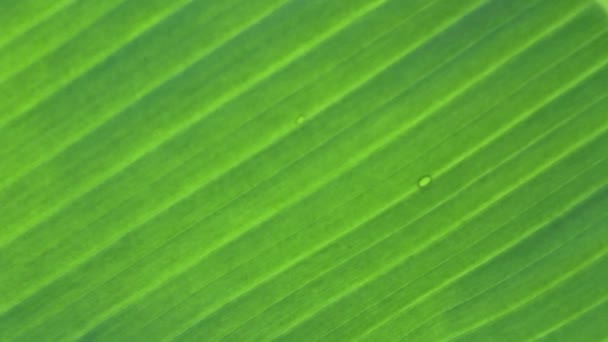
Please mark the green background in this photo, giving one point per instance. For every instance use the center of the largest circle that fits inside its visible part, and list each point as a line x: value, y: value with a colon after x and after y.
x: 301, y: 170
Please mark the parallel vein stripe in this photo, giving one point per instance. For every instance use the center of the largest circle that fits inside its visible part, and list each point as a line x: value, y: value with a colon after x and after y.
x: 40, y: 97
x: 393, y: 318
x: 45, y: 15
x: 248, y: 157
x: 595, y: 102
x: 141, y: 93
x: 569, y: 275
x: 224, y: 99
x: 571, y: 288
x: 406, y: 195
x: 246, y: 26
x: 485, y: 206
x: 575, y: 316
x: 183, y: 164
x: 485, y: 173
x: 588, y: 195
x: 260, y: 18
x: 178, y: 166
x: 197, y: 155
x: 547, y: 101
x: 511, y: 221
x: 13, y: 49
x: 547, y: 165
x: 434, y: 239
x: 427, y: 213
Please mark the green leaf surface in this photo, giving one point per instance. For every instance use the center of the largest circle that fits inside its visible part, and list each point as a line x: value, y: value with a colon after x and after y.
x: 303, y: 170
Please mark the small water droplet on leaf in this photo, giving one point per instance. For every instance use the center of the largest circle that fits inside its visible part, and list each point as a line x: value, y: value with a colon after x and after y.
x: 300, y: 120
x: 424, y: 181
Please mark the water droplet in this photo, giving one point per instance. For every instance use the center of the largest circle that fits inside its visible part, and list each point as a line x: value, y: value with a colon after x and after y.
x: 424, y: 181
x: 300, y: 120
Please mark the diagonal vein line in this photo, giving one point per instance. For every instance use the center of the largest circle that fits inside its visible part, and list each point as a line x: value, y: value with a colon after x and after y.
x: 431, y: 210
x: 46, y: 51
x: 567, y: 276
x: 444, y: 172
x: 528, y: 266
x: 563, y: 323
x: 257, y: 115
x: 480, y: 147
x: 485, y: 261
x: 518, y: 272
x: 145, y: 91
x: 4, y: 244
x: 538, y: 259
x: 595, y: 102
x: 505, y: 224
x: 428, y: 212
x: 4, y: 121
x: 156, y: 214
x: 552, y: 163
x: 484, y: 144
x: 404, y: 196
x: 44, y: 17
x: 231, y: 95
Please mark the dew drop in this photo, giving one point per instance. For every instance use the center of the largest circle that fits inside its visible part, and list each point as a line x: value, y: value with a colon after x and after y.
x: 424, y: 181
x: 300, y: 120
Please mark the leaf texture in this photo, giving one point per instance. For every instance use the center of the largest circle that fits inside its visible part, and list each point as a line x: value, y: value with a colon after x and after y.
x: 302, y: 170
